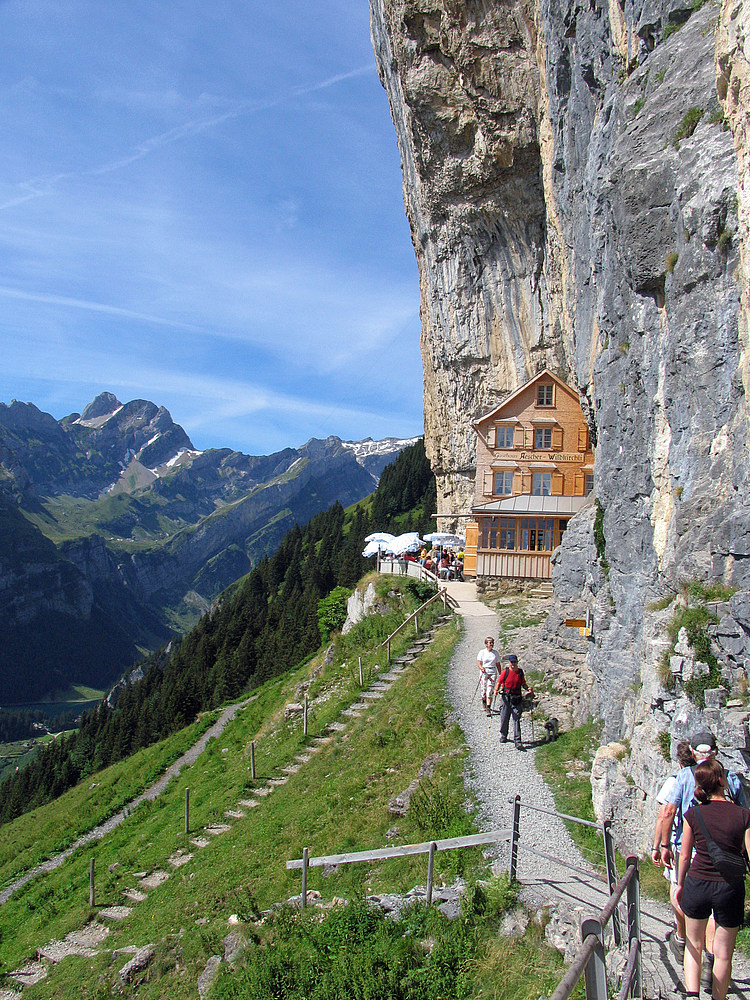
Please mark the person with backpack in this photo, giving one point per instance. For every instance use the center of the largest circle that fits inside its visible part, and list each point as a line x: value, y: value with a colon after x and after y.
x: 511, y: 683
x: 676, y: 936
x: 712, y: 881
x: 703, y: 746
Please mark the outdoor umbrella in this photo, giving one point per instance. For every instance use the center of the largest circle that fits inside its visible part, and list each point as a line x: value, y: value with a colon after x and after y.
x: 444, y: 538
x: 372, y: 548
x: 380, y: 536
x: 408, y: 542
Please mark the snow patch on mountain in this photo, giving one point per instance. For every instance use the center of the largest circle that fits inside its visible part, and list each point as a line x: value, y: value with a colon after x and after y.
x: 386, y: 446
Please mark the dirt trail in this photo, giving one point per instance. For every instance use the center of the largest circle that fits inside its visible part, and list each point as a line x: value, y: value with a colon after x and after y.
x: 500, y: 771
x: 189, y: 757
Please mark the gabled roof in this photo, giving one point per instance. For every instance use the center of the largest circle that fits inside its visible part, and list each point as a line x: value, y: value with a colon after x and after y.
x: 545, y: 373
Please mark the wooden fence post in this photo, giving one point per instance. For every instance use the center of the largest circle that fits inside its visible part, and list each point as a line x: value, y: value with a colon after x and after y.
x: 634, y: 926
x: 252, y: 760
x: 430, y: 868
x: 611, y: 864
x: 92, y: 894
x: 304, y: 726
x: 596, y: 969
x: 187, y: 811
x: 361, y: 679
x: 514, y: 837
x: 305, y: 858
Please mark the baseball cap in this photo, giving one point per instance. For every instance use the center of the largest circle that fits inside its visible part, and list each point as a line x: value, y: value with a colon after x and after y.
x: 704, y: 742
x: 512, y: 658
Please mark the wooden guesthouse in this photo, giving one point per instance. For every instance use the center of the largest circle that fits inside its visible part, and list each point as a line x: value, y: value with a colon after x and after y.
x: 535, y: 469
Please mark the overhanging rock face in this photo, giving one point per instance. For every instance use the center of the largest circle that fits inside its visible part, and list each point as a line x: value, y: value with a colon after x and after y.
x: 571, y: 179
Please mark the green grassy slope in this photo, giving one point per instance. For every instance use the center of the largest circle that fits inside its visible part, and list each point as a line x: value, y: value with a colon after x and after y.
x: 337, y: 801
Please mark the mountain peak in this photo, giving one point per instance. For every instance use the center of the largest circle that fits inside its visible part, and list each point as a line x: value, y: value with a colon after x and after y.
x: 104, y: 404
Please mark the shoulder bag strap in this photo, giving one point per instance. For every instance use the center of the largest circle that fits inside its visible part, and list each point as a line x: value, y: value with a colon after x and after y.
x: 717, y: 853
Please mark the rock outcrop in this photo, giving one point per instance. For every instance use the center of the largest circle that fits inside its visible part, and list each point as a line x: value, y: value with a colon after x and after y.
x: 576, y: 180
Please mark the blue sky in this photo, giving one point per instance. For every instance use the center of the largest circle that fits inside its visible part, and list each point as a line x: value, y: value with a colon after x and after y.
x: 200, y: 204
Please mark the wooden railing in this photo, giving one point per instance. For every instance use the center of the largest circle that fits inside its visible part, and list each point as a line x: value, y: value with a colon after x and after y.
x: 441, y: 595
x: 386, y: 853
x: 590, y: 961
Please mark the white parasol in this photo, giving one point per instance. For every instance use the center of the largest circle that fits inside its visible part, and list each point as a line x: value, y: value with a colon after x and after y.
x: 408, y: 542
x: 444, y: 538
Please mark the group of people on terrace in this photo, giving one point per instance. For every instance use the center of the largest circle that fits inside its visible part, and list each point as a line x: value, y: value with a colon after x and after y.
x: 701, y: 837
x: 446, y: 564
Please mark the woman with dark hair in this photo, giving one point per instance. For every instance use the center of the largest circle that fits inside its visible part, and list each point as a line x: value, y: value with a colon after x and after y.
x: 701, y: 888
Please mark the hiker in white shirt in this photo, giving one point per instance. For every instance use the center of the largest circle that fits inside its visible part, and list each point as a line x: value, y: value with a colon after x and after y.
x: 488, y: 661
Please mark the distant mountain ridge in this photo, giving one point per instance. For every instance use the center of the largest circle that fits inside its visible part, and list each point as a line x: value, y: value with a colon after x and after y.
x: 129, y: 532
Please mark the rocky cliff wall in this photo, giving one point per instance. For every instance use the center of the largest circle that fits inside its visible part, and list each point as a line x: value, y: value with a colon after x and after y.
x: 576, y: 180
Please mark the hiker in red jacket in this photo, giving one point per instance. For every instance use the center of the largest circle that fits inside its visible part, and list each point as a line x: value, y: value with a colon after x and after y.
x: 511, y: 683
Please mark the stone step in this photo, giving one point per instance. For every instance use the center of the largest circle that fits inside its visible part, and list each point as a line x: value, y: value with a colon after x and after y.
x: 291, y: 769
x: 336, y: 727
x: 55, y: 951
x: 372, y: 695
x: 277, y: 782
x: 199, y: 842
x: 249, y: 803
x: 115, y: 912
x: 234, y: 814
x: 216, y: 829
x: 134, y: 895
x: 350, y: 713
x: 30, y: 974
x: 157, y: 878
x: 90, y: 935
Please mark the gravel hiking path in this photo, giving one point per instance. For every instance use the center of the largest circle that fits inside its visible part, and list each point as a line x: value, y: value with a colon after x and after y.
x: 499, y: 771
x: 189, y: 757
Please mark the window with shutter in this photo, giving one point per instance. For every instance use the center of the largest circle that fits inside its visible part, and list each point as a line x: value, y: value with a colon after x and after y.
x: 528, y: 438
x: 557, y: 438
x: 580, y: 483
x: 558, y: 481
x: 491, y: 437
x: 487, y: 483
x: 519, y: 437
x: 526, y: 482
x: 583, y: 439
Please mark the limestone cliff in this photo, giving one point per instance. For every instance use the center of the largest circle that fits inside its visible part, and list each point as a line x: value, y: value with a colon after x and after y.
x: 576, y: 180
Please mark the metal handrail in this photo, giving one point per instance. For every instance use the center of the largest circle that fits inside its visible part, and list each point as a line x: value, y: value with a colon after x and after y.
x: 590, y: 959
x: 553, y: 812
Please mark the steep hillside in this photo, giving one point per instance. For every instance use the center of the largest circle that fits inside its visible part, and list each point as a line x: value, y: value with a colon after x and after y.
x: 576, y: 182
x: 263, y: 625
x: 147, y: 529
x: 201, y: 905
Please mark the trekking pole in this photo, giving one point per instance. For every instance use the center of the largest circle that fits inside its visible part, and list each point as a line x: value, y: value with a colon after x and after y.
x: 531, y: 716
x: 477, y: 687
